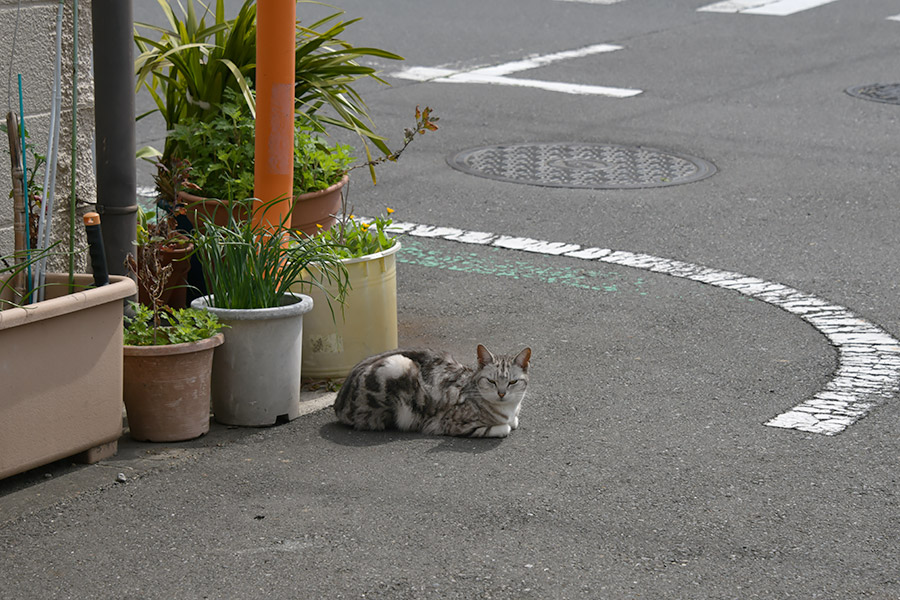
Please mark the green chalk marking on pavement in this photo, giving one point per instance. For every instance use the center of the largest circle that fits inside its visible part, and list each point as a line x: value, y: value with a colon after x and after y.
x: 495, y: 261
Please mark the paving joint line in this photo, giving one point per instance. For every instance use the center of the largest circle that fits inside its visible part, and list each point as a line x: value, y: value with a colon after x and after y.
x: 868, y: 371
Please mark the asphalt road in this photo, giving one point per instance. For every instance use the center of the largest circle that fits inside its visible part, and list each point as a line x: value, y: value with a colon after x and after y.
x: 642, y: 468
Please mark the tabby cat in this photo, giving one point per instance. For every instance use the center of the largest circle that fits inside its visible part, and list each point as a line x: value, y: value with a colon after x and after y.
x: 428, y: 391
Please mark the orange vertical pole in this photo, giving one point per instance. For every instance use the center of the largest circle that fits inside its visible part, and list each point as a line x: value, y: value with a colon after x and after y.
x: 274, y: 161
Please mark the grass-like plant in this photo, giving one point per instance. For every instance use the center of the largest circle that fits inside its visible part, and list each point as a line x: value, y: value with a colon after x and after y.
x: 253, y: 264
x: 15, y: 289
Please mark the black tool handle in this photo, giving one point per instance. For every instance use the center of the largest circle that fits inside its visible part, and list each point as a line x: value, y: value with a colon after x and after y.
x: 95, y: 248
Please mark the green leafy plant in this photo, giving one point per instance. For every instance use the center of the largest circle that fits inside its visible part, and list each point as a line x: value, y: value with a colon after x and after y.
x: 169, y: 326
x: 249, y: 263
x: 187, y: 66
x: 221, y: 155
x: 318, y: 165
x: 354, y: 238
x: 220, y: 151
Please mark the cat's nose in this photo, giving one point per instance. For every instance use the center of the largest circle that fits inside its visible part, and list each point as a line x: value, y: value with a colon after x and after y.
x: 501, y: 394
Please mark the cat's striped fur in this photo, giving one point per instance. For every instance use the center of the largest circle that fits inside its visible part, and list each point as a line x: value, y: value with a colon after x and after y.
x: 428, y: 391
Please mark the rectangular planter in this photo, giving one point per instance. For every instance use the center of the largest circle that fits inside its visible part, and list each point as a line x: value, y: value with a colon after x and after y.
x: 61, y: 368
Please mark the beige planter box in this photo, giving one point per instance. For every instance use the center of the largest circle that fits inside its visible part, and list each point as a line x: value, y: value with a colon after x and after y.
x: 61, y: 368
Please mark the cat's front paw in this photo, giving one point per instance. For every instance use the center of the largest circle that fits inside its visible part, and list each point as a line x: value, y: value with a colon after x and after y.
x: 514, y: 424
x: 498, y: 431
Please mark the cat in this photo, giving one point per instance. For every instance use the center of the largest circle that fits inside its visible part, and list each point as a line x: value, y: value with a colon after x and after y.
x: 429, y: 392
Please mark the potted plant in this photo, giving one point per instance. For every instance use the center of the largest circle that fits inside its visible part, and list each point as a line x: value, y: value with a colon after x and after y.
x: 221, y: 158
x: 168, y: 353
x: 367, y: 323
x: 168, y: 356
x: 249, y: 267
x: 189, y: 65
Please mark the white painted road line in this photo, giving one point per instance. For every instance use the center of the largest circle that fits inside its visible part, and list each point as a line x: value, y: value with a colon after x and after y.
x: 868, y: 372
x: 499, y: 74
x: 777, y: 8
x: 593, y: 1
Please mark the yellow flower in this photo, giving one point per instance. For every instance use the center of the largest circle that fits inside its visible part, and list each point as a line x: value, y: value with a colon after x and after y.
x: 364, y: 226
x: 319, y: 226
x: 389, y: 209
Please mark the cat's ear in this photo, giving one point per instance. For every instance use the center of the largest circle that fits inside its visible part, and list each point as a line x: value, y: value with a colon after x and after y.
x: 484, y: 357
x: 523, y: 358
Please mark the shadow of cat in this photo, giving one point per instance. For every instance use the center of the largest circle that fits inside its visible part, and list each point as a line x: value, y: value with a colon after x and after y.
x: 343, y: 435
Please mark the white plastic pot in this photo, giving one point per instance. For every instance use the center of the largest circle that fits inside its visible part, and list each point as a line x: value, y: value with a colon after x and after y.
x: 256, y: 372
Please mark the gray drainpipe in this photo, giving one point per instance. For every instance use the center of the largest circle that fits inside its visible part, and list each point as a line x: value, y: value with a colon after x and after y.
x: 113, y: 30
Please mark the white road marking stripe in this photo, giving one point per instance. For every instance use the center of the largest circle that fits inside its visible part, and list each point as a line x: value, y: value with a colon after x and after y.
x: 499, y: 74
x: 868, y: 371
x: 778, y: 8
x: 732, y: 6
x: 593, y: 1
x: 894, y: 18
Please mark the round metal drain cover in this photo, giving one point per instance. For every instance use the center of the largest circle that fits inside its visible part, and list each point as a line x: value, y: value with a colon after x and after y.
x: 888, y: 93
x: 590, y: 166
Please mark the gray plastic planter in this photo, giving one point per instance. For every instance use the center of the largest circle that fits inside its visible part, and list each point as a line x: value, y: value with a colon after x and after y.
x: 256, y: 372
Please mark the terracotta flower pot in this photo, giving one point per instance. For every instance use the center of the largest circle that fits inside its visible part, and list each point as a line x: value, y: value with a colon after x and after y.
x: 166, y: 389
x: 211, y: 208
x: 318, y: 208
x: 308, y: 210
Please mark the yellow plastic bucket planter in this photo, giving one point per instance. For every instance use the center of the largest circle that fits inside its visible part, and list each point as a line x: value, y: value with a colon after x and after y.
x: 368, y: 324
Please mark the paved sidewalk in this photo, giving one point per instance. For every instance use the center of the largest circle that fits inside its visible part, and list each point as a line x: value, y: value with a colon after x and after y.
x: 43, y: 487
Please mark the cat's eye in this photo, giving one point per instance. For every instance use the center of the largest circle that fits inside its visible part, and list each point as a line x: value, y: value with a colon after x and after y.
x: 491, y: 381
x: 513, y: 381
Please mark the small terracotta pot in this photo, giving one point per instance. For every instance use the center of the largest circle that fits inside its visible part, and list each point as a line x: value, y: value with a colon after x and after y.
x: 211, y: 208
x: 167, y: 389
x: 318, y: 208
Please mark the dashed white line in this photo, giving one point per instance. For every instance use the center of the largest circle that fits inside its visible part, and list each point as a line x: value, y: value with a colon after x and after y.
x: 868, y: 372
x: 777, y: 8
x: 499, y: 74
x: 593, y: 1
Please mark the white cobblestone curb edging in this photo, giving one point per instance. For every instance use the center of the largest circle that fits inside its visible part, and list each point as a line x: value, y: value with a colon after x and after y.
x: 868, y: 370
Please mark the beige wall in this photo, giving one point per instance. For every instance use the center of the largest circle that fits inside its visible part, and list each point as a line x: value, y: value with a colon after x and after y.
x: 32, y: 56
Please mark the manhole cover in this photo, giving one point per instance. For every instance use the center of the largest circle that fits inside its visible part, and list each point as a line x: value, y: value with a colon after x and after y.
x: 889, y: 93
x: 591, y: 166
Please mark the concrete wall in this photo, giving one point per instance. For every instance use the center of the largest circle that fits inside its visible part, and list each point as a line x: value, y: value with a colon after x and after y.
x: 27, y: 46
